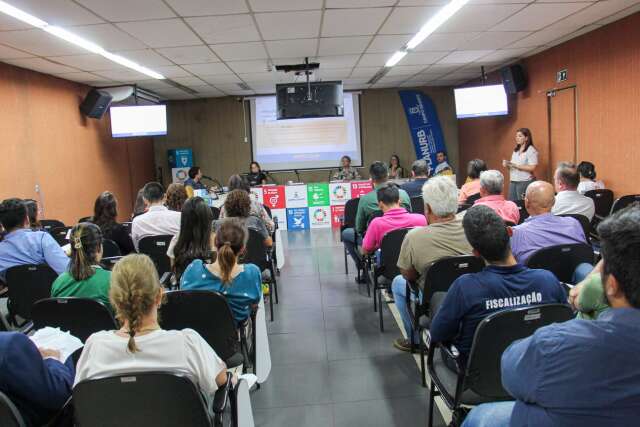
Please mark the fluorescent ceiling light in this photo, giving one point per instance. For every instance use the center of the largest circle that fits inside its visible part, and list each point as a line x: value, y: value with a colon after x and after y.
x: 396, y: 58
x: 437, y: 20
x: 75, y: 39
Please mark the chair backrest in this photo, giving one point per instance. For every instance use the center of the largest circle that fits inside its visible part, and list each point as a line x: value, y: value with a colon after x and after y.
x: 584, y: 223
x: 268, y: 210
x: 602, y: 200
x: 156, y: 248
x: 159, y: 399
x: 215, y: 212
x: 207, y: 313
x: 523, y: 211
x: 127, y: 226
x: 85, y: 219
x: 110, y: 248
x: 80, y: 316
x: 9, y: 414
x: 374, y: 214
x: 59, y: 234
x: 562, y: 260
x: 255, y: 252
x: 417, y: 205
x: 390, y: 251
x: 48, y: 224
x: 26, y: 285
x: 109, y: 262
x: 624, y: 201
x: 441, y: 274
x: 350, y: 211
x: 495, y: 333
x: 472, y: 198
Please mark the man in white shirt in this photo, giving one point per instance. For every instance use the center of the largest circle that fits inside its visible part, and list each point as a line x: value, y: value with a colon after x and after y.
x: 158, y: 220
x: 568, y: 200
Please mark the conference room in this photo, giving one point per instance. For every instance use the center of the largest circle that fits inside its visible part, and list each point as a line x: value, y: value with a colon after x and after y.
x: 319, y: 213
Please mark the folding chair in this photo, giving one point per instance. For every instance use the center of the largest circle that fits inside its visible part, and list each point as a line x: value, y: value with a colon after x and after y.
x: 109, y: 262
x: 523, y: 211
x: 215, y: 212
x: 110, y: 248
x: 127, y: 226
x: 85, y: 219
x: 624, y: 201
x: 27, y: 284
x: 156, y: 248
x: 584, y: 223
x: 562, y: 260
x: 417, y: 205
x: 59, y: 234
x: 256, y: 253
x: 349, y: 221
x: 9, y: 414
x: 602, y: 200
x: 480, y: 381
x: 80, y: 316
x: 48, y: 224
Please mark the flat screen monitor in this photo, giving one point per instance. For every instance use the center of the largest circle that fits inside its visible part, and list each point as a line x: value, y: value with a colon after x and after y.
x: 481, y: 101
x: 139, y: 120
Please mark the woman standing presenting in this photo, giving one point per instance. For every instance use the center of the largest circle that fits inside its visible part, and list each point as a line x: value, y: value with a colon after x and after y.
x: 522, y: 165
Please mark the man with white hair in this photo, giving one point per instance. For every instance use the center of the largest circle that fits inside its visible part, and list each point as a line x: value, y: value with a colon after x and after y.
x: 442, y: 237
x: 491, y: 186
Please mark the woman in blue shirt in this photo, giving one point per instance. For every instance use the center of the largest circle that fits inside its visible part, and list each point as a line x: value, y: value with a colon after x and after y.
x: 239, y: 283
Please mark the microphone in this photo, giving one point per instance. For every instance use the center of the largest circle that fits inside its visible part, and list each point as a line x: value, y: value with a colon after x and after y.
x: 215, y: 181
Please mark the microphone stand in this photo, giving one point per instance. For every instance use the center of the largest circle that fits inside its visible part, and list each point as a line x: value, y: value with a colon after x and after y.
x: 297, y: 175
x: 215, y: 181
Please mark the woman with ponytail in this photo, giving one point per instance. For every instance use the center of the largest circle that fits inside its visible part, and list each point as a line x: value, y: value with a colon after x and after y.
x: 239, y: 283
x: 140, y: 344
x: 85, y: 278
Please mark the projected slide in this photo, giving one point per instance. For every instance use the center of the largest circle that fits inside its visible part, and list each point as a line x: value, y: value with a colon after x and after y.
x: 304, y: 143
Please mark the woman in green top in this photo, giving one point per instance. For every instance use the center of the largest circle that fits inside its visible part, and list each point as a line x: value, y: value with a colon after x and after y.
x: 85, y: 278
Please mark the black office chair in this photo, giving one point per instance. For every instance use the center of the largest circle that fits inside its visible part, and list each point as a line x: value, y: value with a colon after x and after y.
x: 207, y: 313
x: 349, y: 221
x: 9, y: 414
x: 562, y: 260
x: 59, y: 234
x: 256, y: 253
x: 602, y: 200
x: 417, y: 205
x: 27, y: 284
x: 85, y: 219
x: 584, y: 223
x: 472, y: 199
x: 523, y: 211
x: 127, y: 226
x: 110, y: 248
x: 480, y: 381
x: 109, y: 262
x: 156, y: 248
x: 80, y: 316
x: 171, y: 400
x: 48, y: 224
x: 215, y: 212
x: 384, y: 274
x: 624, y: 201
x: 438, y: 279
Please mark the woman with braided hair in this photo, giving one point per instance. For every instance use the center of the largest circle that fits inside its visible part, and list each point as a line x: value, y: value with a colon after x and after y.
x: 84, y: 278
x: 140, y: 344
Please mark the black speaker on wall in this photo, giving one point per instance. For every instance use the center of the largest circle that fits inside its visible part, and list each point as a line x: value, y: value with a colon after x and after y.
x: 96, y: 103
x: 514, y: 78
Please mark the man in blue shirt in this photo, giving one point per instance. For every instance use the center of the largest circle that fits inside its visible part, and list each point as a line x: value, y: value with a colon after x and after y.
x: 195, y: 176
x: 419, y: 173
x: 581, y: 372
x: 22, y: 246
x: 502, y: 284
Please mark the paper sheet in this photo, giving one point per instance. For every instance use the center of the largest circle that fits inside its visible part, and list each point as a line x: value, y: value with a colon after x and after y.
x: 55, y: 339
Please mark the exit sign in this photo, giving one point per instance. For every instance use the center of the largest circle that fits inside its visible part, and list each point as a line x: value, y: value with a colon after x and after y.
x: 561, y: 76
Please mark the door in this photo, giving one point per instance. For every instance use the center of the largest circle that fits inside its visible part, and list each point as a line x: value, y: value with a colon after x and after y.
x: 563, y: 135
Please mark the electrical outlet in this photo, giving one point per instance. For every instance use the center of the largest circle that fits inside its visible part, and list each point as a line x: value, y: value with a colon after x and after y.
x: 246, y: 139
x: 37, y: 188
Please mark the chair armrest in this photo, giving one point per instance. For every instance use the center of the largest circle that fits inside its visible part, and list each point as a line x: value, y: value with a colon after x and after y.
x: 27, y: 328
x: 167, y: 279
x: 221, y: 396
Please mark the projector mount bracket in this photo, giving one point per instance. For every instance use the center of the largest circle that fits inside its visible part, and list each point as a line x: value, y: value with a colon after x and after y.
x: 305, y: 69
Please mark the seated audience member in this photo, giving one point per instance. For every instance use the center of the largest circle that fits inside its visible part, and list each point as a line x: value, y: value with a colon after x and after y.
x: 238, y: 205
x: 140, y: 345
x: 158, y: 220
x: 105, y: 214
x: 367, y: 205
x: 194, y: 182
x: 588, y: 181
x: 419, y: 175
x: 472, y: 186
x: 580, y: 373
x: 393, y: 218
x: 543, y: 229
x: 502, y: 283
x: 22, y: 246
x: 568, y: 200
x: 236, y: 182
x: 195, y: 238
x: 176, y: 196
x: 491, y: 187
x: 85, y: 278
x: 422, y: 246
x: 443, y: 167
x: 139, y: 206
x: 241, y: 284
x: 35, y: 379
x: 32, y: 212
x: 346, y: 172
x: 395, y: 170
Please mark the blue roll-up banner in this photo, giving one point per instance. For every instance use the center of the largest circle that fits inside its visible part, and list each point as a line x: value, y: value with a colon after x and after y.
x: 424, y: 125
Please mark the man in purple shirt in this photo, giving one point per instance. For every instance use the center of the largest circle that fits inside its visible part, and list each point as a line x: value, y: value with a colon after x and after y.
x: 22, y: 246
x: 543, y: 229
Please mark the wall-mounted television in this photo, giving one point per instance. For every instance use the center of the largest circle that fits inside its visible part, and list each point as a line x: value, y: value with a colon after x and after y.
x: 481, y: 101
x: 138, y: 120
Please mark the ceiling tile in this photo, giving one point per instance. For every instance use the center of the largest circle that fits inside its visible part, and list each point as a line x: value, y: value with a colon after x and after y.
x: 289, y: 25
x: 621, y: 14
x: 387, y: 43
x: 207, y: 69
x: 444, y: 83
x: 127, y: 10
x: 292, y: 48
x: 146, y: 57
x: 408, y: 20
x: 221, y: 79
x: 427, y: 76
x: 189, y: 81
x: 161, y: 33
x: 422, y: 58
x: 229, y: 90
x: 353, y: 22
x: 541, y: 38
x: 405, y: 70
x: 172, y: 71
x: 262, y: 77
x: 38, y: 42
x: 596, y: 12
x: 39, y: 64
x: 504, y: 55
x: 479, y: 17
x: 108, y: 36
x: 248, y: 66
x: 354, y: 81
x: 538, y: 15
x: 81, y: 77
x: 373, y: 59
x: 446, y: 41
x: 495, y: 39
x: 240, y: 51
x: 334, y: 73
x: 188, y: 54
x: 282, y: 5
x: 89, y: 62
x: 57, y: 12
x: 153, y: 84
x: 207, y: 7
x: 343, y: 45
x: 8, y: 23
x: 442, y: 68
x: 122, y: 75
x: 346, y: 4
x: 341, y: 61
x: 225, y: 29
x: 263, y: 88
x: 464, y: 56
x: 364, y: 72
x: 209, y: 92
x: 7, y: 52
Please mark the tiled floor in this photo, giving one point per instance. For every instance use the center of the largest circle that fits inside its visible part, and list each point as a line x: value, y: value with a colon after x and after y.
x: 331, y: 364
